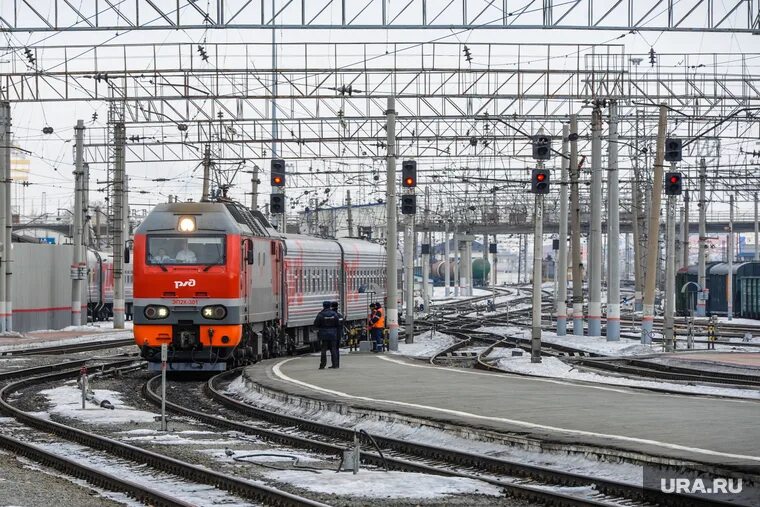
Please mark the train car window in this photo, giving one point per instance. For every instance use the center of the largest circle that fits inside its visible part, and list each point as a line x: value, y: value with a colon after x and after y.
x: 176, y: 250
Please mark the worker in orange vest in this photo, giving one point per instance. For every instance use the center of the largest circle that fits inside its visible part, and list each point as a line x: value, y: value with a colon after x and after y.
x: 376, y: 326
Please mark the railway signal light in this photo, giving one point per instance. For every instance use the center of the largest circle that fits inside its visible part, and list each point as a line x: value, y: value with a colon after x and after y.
x: 408, y: 204
x: 409, y: 173
x: 278, y: 172
x: 277, y: 203
x: 673, y: 150
x: 673, y: 184
x: 539, y: 181
x: 542, y: 147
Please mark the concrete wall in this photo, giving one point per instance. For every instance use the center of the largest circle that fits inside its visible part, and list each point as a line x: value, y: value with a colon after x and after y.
x: 42, y: 287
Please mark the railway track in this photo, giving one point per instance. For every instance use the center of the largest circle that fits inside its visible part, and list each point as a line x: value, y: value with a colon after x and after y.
x: 649, y: 369
x: 174, y: 467
x: 520, y: 480
x: 70, y: 348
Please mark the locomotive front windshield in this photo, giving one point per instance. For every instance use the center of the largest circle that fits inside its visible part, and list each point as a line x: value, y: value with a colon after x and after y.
x: 173, y: 250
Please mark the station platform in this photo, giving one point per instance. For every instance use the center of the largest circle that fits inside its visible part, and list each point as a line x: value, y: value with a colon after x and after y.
x: 637, y: 424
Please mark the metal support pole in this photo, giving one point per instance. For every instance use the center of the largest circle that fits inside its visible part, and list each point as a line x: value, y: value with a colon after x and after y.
x: 538, y: 227
x: 78, y: 266
x: 426, y: 256
x: 595, y: 250
x: 670, y: 271
x: 757, y: 231
x: 5, y: 143
x: 685, y: 230
x: 446, y: 260
x: 409, y: 278
x: 426, y: 274
x: 467, y: 265
x: 561, y: 267
x: 613, y: 231
x: 730, y: 255
x: 494, y: 269
x: 8, y: 222
x: 164, y: 357
x: 118, y: 222
x: 391, y: 236
x: 575, y: 230
x: 87, y: 241
x: 206, y: 172
x: 349, y: 214
x: 702, y: 254
x: 457, y: 264
x: 255, y: 189
x: 638, y: 278
x: 647, y: 320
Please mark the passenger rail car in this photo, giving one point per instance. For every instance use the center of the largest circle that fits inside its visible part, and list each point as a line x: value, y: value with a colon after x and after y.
x: 217, y: 284
x: 100, y: 286
x: 745, y: 296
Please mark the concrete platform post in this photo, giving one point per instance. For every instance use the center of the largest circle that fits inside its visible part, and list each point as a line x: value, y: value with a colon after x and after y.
x: 391, y: 314
x: 575, y: 236
x: 78, y: 266
x: 613, y: 231
x: 653, y: 236
x: 561, y: 270
x: 702, y: 253
x: 119, y: 225
x: 595, y: 250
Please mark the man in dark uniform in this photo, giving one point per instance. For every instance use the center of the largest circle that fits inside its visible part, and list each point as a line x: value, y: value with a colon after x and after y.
x: 327, y: 323
x: 339, y: 340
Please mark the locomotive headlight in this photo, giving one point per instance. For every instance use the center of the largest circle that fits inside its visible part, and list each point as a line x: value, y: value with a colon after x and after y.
x: 154, y: 312
x: 186, y: 224
x: 214, y: 312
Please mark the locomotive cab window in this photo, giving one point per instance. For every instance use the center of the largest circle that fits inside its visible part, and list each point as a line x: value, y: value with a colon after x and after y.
x: 176, y: 250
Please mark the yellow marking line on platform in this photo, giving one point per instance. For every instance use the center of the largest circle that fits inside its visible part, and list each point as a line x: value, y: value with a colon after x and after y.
x: 276, y: 369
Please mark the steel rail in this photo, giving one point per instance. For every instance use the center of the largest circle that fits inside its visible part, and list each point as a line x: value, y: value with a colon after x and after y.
x: 194, y: 473
x: 479, y: 462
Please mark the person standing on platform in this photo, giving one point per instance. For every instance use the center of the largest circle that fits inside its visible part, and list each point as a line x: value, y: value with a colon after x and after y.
x: 341, y: 321
x: 327, y: 324
x: 377, y: 325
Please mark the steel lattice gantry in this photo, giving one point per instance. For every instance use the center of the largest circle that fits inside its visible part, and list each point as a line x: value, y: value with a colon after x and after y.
x: 331, y: 97
x: 113, y: 15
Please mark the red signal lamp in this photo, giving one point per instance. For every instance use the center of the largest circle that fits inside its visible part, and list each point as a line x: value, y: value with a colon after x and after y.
x: 540, y: 177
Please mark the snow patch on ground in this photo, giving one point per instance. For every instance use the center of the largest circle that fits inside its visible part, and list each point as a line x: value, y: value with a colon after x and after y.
x: 259, y: 456
x: 66, y: 401
x: 425, y: 345
x: 99, y: 336
x: 597, y: 344
x: 555, y: 368
x: 575, y: 463
x: 379, y: 484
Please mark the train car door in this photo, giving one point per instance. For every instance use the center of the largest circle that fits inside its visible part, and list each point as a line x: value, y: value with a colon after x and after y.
x: 246, y: 262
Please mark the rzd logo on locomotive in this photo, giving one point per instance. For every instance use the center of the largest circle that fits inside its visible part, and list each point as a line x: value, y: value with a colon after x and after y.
x: 186, y: 283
